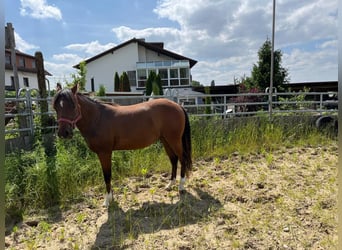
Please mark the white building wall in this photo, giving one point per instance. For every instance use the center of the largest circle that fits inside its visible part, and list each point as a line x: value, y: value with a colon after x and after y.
x: 103, y: 69
x: 146, y: 55
x: 32, y: 78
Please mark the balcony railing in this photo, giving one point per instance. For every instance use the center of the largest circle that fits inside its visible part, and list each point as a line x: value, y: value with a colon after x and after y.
x: 163, y: 64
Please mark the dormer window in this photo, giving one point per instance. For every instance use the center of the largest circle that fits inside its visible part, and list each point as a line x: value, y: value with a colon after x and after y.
x: 22, y: 62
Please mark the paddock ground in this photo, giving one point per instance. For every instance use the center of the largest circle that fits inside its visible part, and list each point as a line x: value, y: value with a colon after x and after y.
x: 285, y: 199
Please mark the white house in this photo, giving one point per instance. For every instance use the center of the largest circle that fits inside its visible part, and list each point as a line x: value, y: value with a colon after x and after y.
x: 26, y: 68
x: 138, y: 58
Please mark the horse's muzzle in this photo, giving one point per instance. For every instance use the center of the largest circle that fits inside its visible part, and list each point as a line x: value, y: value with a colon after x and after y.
x: 65, y: 132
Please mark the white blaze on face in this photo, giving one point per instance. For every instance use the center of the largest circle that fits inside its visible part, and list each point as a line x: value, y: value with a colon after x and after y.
x: 61, y: 103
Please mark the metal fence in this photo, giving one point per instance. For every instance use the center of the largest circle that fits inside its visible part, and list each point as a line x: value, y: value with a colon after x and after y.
x: 223, y: 106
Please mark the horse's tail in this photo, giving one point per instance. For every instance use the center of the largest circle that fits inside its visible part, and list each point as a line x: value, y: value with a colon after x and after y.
x: 186, y: 142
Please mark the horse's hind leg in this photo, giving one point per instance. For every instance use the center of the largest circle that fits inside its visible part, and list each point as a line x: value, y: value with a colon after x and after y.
x: 174, y: 160
x: 183, y: 173
x: 105, y: 159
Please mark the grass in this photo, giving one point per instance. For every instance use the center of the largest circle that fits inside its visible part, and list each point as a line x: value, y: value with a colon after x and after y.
x: 40, y: 180
x: 280, y: 199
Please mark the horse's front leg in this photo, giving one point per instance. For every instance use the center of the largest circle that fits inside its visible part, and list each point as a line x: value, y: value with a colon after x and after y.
x: 106, y: 163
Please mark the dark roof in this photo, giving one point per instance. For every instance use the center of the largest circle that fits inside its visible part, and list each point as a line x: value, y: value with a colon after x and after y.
x: 24, y: 69
x: 19, y: 53
x: 314, y: 86
x: 219, y: 89
x: 157, y: 47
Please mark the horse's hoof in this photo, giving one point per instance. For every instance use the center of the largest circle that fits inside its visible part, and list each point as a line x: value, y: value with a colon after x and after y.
x: 108, y: 199
x: 182, y: 192
x: 170, y: 185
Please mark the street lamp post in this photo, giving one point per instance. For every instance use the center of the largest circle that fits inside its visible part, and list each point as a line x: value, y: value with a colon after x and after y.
x: 272, y: 63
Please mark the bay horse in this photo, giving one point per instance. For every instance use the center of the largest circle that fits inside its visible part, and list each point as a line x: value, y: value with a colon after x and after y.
x: 109, y: 127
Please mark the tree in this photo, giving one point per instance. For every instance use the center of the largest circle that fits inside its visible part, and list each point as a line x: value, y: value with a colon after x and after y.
x: 158, y: 82
x: 116, y: 82
x: 261, y: 72
x: 126, y: 87
x: 154, y: 84
x: 102, y: 90
x: 149, y: 82
x: 80, y: 76
x: 196, y: 83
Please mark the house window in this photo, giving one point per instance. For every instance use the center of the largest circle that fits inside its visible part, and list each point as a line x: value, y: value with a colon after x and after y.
x: 164, y: 76
x: 184, y: 81
x: 8, y: 59
x: 142, y: 76
x: 26, y: 81
x: 174, y: 80
x: 151, y: 70
x: 92, y: 83
x: 184, y: 73
x: 132, y: 78
x: 21, y: 62
x: 184, y: 76
x: 33, y: 64
x: 173, y: 73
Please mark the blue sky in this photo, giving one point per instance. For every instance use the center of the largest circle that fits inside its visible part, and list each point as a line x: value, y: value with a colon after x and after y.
x: 224, y: 36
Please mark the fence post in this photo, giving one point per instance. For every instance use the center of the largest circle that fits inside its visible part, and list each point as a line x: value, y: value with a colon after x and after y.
x: 29, y: 111
x: 42, y: 90
x: 320, y: 103
x: 23, y: 111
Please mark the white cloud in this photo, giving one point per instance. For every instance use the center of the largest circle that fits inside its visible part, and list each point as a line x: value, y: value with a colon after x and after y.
x: 230, y: 33
x: 39, y: 9
x: 61, y: 65
x: 225, y: 36
x: 61, y: 69
x: 125, y: 33
x: 91, y: 48
x: 319, y: 65
x: 65, y: 57
x: 329, y: 44
x: 22, y: 45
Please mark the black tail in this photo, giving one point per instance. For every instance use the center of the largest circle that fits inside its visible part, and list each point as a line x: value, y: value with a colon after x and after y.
x: 186, y: 142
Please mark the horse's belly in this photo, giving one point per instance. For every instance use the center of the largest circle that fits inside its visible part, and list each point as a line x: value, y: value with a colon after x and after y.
x: 136, y: 143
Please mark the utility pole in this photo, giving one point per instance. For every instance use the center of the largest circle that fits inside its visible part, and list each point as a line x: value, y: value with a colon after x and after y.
x: 10, y: 44
x: 272, y: 63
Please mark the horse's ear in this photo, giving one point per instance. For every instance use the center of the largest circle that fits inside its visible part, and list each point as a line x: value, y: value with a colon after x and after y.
x: 74, y: 89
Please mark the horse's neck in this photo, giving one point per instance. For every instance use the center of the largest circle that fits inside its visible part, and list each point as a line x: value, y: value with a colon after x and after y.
x: 90, y: 113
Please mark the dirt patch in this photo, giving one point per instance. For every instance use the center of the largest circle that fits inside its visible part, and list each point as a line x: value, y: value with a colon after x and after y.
x: 272, y: 200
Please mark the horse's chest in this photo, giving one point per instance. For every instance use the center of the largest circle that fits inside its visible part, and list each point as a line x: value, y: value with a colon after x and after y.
x: 98, y: 144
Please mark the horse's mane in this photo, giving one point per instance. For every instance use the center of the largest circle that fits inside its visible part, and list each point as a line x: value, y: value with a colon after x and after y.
x: 95, y: 101
x: 67, y: 94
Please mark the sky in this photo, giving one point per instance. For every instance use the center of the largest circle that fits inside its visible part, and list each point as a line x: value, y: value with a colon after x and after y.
x: 224, y: 36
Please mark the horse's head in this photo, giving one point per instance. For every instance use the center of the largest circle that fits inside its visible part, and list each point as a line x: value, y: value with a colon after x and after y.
x: 68, y: 111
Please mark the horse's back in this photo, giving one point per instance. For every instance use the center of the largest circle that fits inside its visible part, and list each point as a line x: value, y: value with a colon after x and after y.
x: 169, y: 116
x: 140, y: 125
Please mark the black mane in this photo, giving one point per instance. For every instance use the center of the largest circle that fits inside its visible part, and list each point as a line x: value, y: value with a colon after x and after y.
x: 66, y: 94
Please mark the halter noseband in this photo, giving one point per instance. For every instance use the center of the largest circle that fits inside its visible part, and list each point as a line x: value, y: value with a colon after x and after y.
x: 74, y: 121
